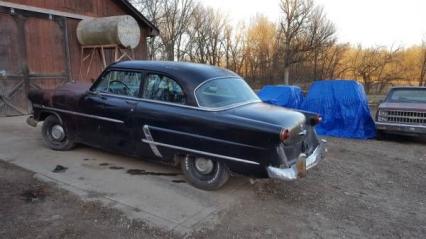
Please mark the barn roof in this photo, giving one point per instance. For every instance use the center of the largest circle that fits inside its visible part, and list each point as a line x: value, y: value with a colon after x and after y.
x: 139, y: 17
x: 124, y: 3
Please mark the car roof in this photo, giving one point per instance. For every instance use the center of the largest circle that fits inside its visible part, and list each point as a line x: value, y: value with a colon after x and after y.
x: 188, y: 75
x: 183, y: 71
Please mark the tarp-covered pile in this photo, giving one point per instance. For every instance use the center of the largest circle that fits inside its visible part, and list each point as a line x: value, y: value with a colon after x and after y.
x: 286, y: 96
x: 343, y: 106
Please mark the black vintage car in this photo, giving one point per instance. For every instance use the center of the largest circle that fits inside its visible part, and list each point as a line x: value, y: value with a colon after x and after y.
x: 206, y: 119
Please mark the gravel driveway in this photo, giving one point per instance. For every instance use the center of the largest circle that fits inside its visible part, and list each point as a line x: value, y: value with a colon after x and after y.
x: 365, y: 189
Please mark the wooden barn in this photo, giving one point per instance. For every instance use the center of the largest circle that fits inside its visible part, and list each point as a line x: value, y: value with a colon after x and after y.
x: 39, y: 47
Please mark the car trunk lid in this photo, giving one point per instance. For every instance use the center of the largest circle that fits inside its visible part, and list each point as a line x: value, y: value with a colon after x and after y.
x: 280, y: 117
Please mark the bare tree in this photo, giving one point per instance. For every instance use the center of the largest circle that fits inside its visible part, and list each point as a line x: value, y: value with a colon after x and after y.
x: 172, y: 17
x: 260, y: 49
x: 236, y: 45
x: 153, y: 10
x: 207, y: 36
x: 377, y: 67
x: 304, y: 28
x: 328, y: 62
x: 177, y: 17
x: 422, y: 78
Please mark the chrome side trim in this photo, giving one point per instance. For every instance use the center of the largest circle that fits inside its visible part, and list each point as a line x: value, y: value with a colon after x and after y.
x: 79, y: 114
x: 205, y: 137
x: 200, y: 152
x: 180, y: 105
x: 148, y: 136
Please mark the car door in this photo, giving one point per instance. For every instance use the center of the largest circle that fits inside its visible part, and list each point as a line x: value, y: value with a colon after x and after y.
x: 87, y: 122
x: 118, y: 94
x: 160, y: 105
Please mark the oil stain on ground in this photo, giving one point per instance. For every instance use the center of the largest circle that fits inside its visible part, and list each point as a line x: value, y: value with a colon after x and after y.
x: 115, y: 167
x: 178, y: 181
x: 143, y: 172
x: 59, y: 169
x: 35, y: 194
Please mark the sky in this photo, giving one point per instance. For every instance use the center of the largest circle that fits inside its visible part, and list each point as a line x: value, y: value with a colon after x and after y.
x: 390, y: 23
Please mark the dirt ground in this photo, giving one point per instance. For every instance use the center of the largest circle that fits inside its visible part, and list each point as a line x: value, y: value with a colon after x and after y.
x: 33, y: 209
x: 365, y: 189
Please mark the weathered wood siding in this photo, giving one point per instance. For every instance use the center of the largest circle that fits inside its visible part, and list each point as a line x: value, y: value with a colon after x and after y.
x: 94, y: 8
x: 38, y: 52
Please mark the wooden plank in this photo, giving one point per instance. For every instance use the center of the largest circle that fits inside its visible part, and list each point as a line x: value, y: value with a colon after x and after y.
x: 21, y: 100
x: 68, y: 68
x: 9, y: 48
x: 43, y: 10
x: 45, y: 47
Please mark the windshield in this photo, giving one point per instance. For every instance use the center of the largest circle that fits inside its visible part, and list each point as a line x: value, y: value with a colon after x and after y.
x: 408, y: 95
x: 224, y: 92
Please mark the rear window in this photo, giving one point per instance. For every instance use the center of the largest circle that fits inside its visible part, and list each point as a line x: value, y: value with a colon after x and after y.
x: 407, y: 95
x: 224, y: 92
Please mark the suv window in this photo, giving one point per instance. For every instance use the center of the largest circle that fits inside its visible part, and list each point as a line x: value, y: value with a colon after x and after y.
x: 162, y: 88
x: 120, y: 83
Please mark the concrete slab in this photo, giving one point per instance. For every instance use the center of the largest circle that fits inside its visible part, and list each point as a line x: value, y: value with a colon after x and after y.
x: 97, y: 175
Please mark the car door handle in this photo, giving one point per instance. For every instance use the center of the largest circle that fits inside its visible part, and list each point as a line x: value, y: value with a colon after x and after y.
x: 131, y: 102
x: 132, y: 105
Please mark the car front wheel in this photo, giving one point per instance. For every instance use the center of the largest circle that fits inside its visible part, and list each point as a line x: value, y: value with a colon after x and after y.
x: 205, y: 173
x: 55, y: 134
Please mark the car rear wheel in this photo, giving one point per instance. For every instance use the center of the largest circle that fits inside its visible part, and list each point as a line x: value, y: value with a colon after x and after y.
x: 205, y: 173
x: 55, y: 134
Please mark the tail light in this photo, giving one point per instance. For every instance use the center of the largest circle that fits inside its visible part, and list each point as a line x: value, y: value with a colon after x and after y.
x: 315, y: 120
x: 284, y: 134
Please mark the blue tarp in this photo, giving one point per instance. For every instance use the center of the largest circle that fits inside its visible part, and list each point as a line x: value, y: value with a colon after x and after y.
x: 343, y: 106
x: 286, y: 96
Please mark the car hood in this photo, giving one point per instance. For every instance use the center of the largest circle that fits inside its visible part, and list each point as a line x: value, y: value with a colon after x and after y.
x: 269, y: 114
x: 403, y: 106
x: 65, y: 96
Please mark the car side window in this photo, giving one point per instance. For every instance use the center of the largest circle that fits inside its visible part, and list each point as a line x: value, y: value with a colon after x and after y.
x: 124, y: 83
x: 162, y: 88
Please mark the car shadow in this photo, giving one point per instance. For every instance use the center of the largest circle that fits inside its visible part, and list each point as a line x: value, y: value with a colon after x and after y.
x: 404, y: 139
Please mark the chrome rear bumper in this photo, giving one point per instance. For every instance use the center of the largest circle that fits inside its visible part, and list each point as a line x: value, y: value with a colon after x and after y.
x: 299, y: 169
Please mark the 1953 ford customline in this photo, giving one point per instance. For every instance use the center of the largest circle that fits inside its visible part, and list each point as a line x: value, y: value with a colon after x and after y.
x: 206, y: 119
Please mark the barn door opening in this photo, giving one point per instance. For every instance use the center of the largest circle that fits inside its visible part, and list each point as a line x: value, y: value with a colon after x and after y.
x: 12, y: 80
x: 33, y: 55
x: 44, y: 41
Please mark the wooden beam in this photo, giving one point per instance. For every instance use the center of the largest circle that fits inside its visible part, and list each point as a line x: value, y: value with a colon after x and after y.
x: 43, y: 10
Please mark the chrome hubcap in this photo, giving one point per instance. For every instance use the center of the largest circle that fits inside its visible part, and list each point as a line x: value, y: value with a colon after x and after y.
x: 57, y: 132
x: 204, y: 166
